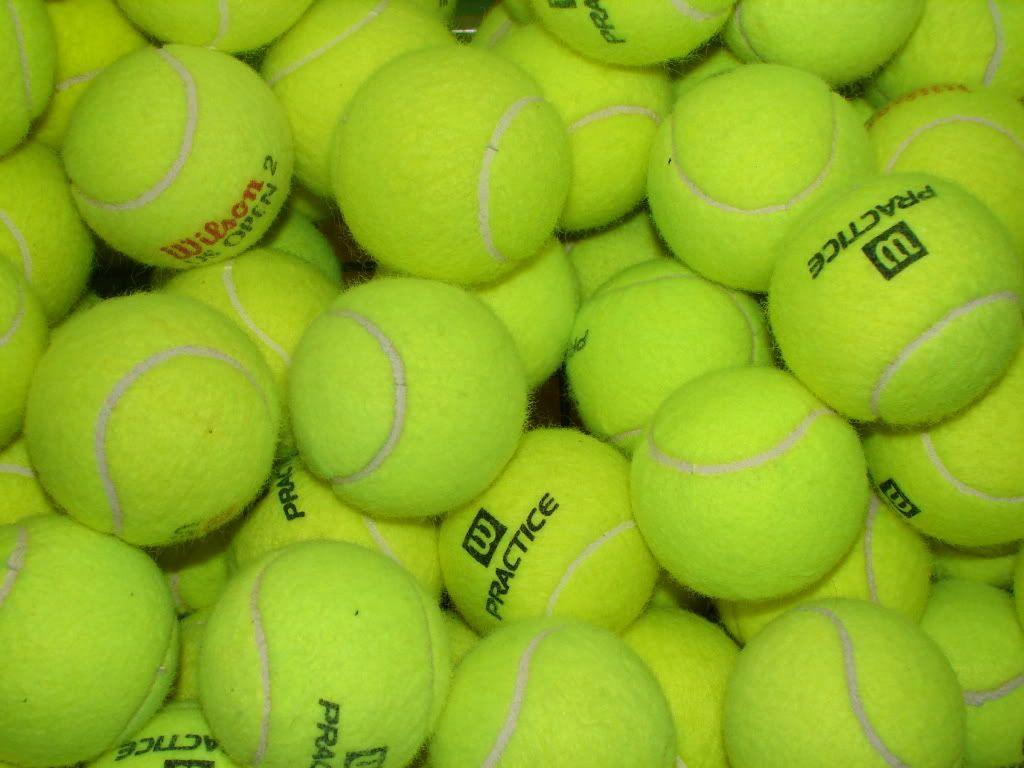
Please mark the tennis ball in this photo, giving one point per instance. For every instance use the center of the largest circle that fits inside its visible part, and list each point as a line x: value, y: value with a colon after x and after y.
x: 840, y: 42
x: 300, y: 507
x: 109, y: 649
x: 973, y: 138
x: 494, y: 26
x: 152, y: 417
x: 427, y: 398
x: 537, y: 304
x: 367, y: 676
x: 646, y: 332
x: 843, y: 677
x: 692, y: 659
x: 461, y: 639
x: 27, y: 63
x: 633, y: 32
x: 191, y: 629
x: 889, y: 564
x: 311, y: 205
x: 611, y: 114
x: 21, y: 496
x: 555, y: 536
x: 23, y: 337
x: 961, y: 481
x: 976, y: 627
x: 454, y: 149
x: 41, y: 233
x: 554, y: 692
x: 211, y: 156
x: 747, y: 513
x: 701, y: 66
x: 988, y: 565
x: 864, y: 109
x: 726, y: 181
x: 882, y: 292
x: 196, y: 572
x: 669, y: 593
x: 316, y: 68
x: 295, y: 233
x: 601, y: 255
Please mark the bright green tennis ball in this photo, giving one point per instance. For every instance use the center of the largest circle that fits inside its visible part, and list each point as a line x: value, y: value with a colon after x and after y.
x: 611, y: 114
x: 427, y: 398
x: 889, y: 564
x: 961, y: 481
x: 191, y: 629
x: 28, y: 57
x: 746, y: 487
x: 454, y: 149
x: 461, y: 638
x: 537, y: 303
x: 843, y: 677
x: 21, y: 496
x: 839, y: 42
x: 520, y: 10
x: 496, y: 24
x: 301, y: 507
x: 553, y: 536
x: 602, y: 255
x: 707, y: 63
x: 152, y: 417
x: 692, y: 659
x: 86, y: 622
x: 976, y: 627
x: 211, y: 156
x: 295, y: 233
x: 988, y: 565
x: 973, y: 138
x: 669, y: 593
x: 366, y: 675
x: 554, y: 692
x: 882, y: 292
x: 196, y: 571
x: 23, y: 337
x: 744, y: 154
x: 646, y: 332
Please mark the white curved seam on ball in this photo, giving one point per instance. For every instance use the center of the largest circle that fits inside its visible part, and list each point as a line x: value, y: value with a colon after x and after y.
x: 316, y: 53
x: 680, y: 763
x: 869, y: 550
x: 16, y: 321
x: 15, y: 563
x: 431, y: 665
x: 981, y: 698
x: 689, y: 11
x: 378, y: 539
x: 582, y: 557
x: 71, y: 82
x: 616, y: 110
x: 850, y: 669
x: 950, y: 119
x: 16, y: 469
x: 184, y: 151
x: 398, y: 416
x: 161, y: 670
x: 629, y: 434
x: 500, y: 33
x: 954, y: 314
x: 22, y: 243
x: 260, y: 639
x: 223, y: 23
x: 19, y: 39
x: 516, y: 704
x: 737, y: 16
x: 650, y: 281
x: 484, y: 183
x: 111, y: 401
x: 996, y: 59
x: 173, y: 581
x: 960, y: 485
x: 764, y: 457
x: 228, y: 279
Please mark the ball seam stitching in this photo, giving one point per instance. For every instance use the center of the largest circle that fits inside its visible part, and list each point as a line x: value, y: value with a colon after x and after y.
x: 378, y: 538
x: 228, y: 279
x: 615, y: 110
x: 948, y: 120
x: 697, y: 15
x: 14, y: 564
x: 17, y: 320
x: 16, y: 469
x: 996, y: 60
x: 260, y: 640
x: 981, y: 698
x: 19, y: 37
x: 581, y: 558
x: 223, y: 24
x: 22, y: 243
x: 957, y: 483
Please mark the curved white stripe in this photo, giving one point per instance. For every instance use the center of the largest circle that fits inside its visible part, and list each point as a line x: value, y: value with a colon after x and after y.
x: 174, y: 581
x: 260, y: 639
x: 224, y: 23
x: 629, y: 434
x: 951, y: 119
x: 19, y: 316
x: 228, y: 279
x: 737, y: 20
x: 697, y: 15
x: 614, y: 111
x: 500, y: 33
x: 679, y: 762
x: 964, y: 488
x: 19, y: 40
x: 16, y: 469
x: 1000, y: 47
x: 71, y: 82
x: 581, y: 558
x: 869, y: 550
x: 21, y: 242
x: 15, y: 562
x: 981, y: 698
x: 378, y: 538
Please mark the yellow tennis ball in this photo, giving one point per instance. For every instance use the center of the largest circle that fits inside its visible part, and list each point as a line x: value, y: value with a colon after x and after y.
x: 295, y: 233
x: 461, y: 638
x: 976, y: 627
x: 494, y: 26
x: 882, y: 292
x: 669, y: 593
x: 427, y: 398
x: 300, y: 507
x: 553, y: 536
x: 191, y: 629
x: 456, y: 150
x: 715, y: 60
x: 211, y: 156
x: 646, y: 332
x: 746, y: 487
x: 28, y: 56
x: 889, y: 564
x: 843, y: 677
x: 109, y: 650
x: 602, y: 255
x: 988, y: 565
x: 23, y: 337
x: 196, y: 571
x: 691, y: 659
x: 152, y: 417
x: 743, y: 155
x: 611, y: 114
x: 364, y: 678
x: 21, y: 496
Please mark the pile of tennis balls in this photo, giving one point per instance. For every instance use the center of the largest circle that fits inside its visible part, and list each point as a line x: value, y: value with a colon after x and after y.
x: 579, y: 384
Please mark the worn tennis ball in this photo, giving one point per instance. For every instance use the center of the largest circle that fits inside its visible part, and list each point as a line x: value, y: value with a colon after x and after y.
x: 152, y: 417
x: 843, y: 677
x: 191, y: 629
x: 646, y: 332
x: 295, y: 233
x: 889, y: 564
x: 86, y: 622
x: 746, y: 487
x: 988, y: 565
x: 196, y: 571
x: 725, y: 182
x: 28, y: 60
x: 553, y: 536
x: 703, y: 64
x: 211, y: 156
x: 365, y: 678
x: 600, y: 256
x: 461, y: 638
x: 21, y: 496
x: 23, y: 338
x: 495, y: 25
x: 454, y: 149
x: 883, y: 291
x: 554, y: 692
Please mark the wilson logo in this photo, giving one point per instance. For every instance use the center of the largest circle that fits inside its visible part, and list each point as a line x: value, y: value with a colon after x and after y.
x: 483, y: 537
x: 897, y: 499
x: 894, y: 250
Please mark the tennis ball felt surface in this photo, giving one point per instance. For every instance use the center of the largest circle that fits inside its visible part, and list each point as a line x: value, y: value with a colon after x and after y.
x: 550, y: 691
x: 21, y: 496
x: 211, y: 156
x: 23, y: 338
x: 368, y: 674
x: 601, y: 255
x: 190, y: 632
x: 555, y: 537
x: 196, y: 572
x: 295, y: 233
x: 494, y: 26
x: 748, y: 513
x: 454, y: 149
x: 108, y: 651
x: 461, y: 638
x: 152, y: 417
x: 702, y: 65
x: 28, y: 56
x: 988, y: 565
x: 898, y: 300
x: 391, y: 434
x: 743, y: 155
